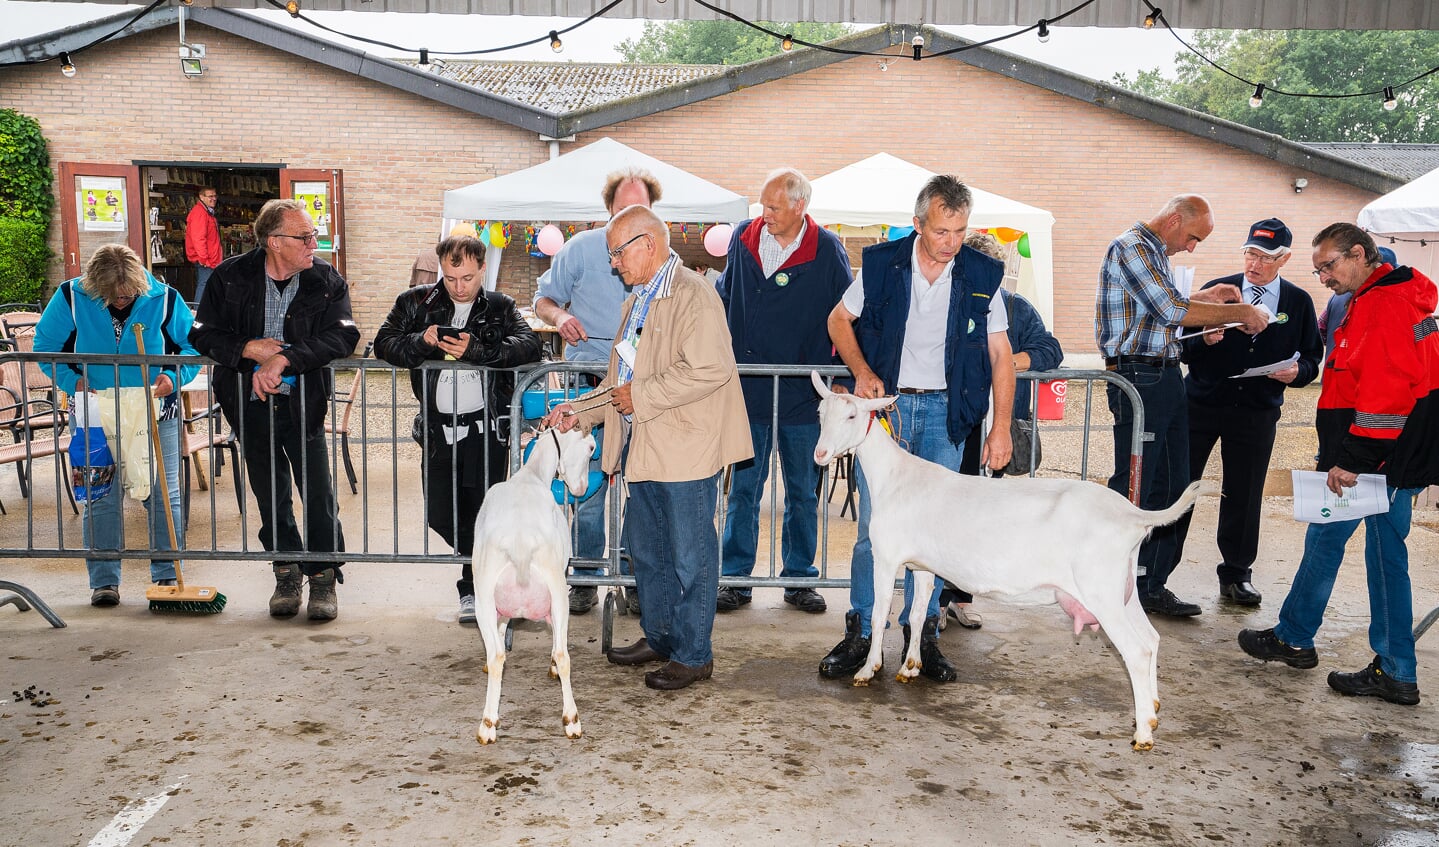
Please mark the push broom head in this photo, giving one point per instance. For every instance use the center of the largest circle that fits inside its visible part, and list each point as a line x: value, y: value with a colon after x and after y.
x: 194, y: 599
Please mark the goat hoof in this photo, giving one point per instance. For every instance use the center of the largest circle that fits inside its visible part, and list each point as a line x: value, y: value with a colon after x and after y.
x: 572, y: 726
x: 861, y: 683
x: 487, y: 732
x: 1142, y: 746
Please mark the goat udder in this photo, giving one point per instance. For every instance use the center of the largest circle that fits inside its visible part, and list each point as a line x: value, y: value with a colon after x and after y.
x: 1075, y: 609
x: 530, y: 601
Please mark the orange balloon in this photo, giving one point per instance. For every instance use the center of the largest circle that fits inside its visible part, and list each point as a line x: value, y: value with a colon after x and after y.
x: 1005, y: 234
x: 465, y: 229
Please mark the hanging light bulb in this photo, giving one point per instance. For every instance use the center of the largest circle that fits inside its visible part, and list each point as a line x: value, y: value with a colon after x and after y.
x: 918, y: 44
x: 787, y: 43
x: 1043, y: 31
x: 1258, y: 99
x: 293, y: 7
x: 424, y: 56
x: 884, y: 64
x: 555, y: 43
x: 1153, y: 18
x: 67, y: 67
x: 1390, y: 104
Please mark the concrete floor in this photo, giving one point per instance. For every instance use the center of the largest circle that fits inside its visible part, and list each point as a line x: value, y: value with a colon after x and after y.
x: 361, y: 731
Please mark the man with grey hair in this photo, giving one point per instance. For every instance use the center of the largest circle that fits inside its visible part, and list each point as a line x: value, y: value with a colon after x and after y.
x: 273, y: 319
x: 1138, y: 311
x: 581, y: 296
x: 783, y: 275
x: 675, y: 420
x: 924, y: 321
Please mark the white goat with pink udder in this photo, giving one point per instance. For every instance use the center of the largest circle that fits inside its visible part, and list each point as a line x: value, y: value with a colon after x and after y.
x: 522, y: 548
x: 1023, y: 541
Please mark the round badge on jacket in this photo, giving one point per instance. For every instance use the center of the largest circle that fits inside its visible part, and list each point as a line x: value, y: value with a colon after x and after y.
x: 781, y: 280
x: 1282, y: 318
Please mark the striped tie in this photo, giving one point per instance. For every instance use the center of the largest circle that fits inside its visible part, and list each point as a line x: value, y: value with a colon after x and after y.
x: 1257, y: 295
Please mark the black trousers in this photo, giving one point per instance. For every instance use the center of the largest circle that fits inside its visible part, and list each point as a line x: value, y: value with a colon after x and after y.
x: 1246, y: 439
x: 456, y: 479
x: 276, y: 454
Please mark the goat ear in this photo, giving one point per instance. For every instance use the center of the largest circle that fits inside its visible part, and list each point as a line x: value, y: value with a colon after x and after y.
x: 876, y: 404
x: 819, y: 384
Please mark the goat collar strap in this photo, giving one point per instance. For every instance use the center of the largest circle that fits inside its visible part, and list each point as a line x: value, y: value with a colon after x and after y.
x: 883, y: 424
x: 558, y: 452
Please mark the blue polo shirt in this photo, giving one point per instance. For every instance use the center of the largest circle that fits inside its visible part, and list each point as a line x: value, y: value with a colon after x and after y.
x: 580, y: 279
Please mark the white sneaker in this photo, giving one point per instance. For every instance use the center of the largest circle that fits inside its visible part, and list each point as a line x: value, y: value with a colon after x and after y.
x: 963, y: 615
x: 467, y: 609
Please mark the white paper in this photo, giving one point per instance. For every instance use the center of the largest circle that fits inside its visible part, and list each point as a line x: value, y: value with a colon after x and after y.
x: 1183, y: 278
x: 1266, y: 370
x: 1315, y: 503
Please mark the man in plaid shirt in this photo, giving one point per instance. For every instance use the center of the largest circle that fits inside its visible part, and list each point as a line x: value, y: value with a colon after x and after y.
x: 1138, y: 310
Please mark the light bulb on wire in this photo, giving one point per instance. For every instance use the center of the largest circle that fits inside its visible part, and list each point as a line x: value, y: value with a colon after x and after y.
x: 1043, y: 31
x: 293, y: 7
x: 1258, y: 99
x: 918, y: 44
x: 67, y: 67
x: 787, y: 43
x: 1390, y: 104
x: 1152, y: 18
x: 555, y: 43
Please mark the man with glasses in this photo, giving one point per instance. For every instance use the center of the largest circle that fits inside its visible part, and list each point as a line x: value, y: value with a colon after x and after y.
x: 273, y: 319
x: 202, y: 239
x: 581, y: 296
x: 1138, y: 311
x: 675, y: 417
x: 1378, y: 413
x: 1241, y: 414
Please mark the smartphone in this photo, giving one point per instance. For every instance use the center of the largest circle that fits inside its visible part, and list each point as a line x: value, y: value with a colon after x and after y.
x: 447, y: 332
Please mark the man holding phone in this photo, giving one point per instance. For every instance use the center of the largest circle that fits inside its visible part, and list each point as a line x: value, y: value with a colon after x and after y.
x: 464, y: 447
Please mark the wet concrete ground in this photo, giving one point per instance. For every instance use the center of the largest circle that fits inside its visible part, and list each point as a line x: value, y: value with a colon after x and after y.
x: 361, y: 731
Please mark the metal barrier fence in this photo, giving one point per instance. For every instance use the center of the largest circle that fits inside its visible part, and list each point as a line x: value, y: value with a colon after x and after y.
x: 374, y: 467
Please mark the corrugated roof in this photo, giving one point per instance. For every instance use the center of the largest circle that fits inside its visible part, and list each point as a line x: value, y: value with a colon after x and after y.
x: 561, y: 87
x: 1404, y: 161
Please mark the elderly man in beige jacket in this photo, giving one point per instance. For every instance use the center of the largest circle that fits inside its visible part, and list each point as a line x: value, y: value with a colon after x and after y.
x: 674, y: 396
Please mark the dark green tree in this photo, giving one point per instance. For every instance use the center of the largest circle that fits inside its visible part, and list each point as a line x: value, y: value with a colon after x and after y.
x: 718, y: 42
x: 1308, y: 61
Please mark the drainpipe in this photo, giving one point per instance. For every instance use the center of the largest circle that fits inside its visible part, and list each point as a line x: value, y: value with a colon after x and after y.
x: 555, y: 144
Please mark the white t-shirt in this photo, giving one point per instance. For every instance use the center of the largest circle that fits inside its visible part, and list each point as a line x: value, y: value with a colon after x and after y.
x: 921, y: 364
x: 456, y: 391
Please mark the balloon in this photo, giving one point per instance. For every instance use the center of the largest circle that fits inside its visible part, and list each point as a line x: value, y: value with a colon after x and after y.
x: 717, y: 239
x: 1024, y: 245
x: 483, y: 234
x: 464, y: 229
x: 497, y: 235
x: 897, y: 233
x: 1006, y: 234
x: 550, y: 240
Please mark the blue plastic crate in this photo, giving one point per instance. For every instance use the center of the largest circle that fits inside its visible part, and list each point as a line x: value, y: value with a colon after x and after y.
x: 536, y: 403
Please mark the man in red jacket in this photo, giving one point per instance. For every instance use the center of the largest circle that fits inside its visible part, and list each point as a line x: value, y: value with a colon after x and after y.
x: 202, y: 239
x: 1378, y: 413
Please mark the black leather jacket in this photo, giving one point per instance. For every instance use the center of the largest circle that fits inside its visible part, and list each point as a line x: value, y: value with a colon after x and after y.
x: 499, y: 338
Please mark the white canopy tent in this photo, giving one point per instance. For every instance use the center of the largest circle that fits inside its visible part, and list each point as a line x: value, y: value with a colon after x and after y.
x: 1409, y: 212
x: 881, y: 190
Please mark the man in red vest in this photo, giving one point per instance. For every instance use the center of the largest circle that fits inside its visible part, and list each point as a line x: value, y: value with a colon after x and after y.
x: 202, y: 239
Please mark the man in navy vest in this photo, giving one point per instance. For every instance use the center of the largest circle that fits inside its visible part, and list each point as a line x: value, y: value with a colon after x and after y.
x: 923, y: 322
x: 783, y: 275
x: 1241, y: 414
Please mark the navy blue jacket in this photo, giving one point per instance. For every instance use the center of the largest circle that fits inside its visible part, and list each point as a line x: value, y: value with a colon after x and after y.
x: 782, y: 319
x: 1027, y: 334
x: 1294, y: 329
x: 880, y: 329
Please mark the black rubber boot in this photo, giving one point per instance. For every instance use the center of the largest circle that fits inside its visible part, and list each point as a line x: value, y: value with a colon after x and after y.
x: 933, y: 664
x: 849, y: 655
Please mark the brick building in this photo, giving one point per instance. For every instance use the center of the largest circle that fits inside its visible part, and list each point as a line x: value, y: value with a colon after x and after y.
x: 277, y: 104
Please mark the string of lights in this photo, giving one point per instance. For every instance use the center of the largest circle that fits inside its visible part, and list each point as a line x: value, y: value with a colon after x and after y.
x: 67, y: 67
x: 1389, y: 101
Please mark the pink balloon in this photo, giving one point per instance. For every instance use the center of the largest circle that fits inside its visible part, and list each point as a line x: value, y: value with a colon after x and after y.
x: 550, y: 240
x: 717, y: 239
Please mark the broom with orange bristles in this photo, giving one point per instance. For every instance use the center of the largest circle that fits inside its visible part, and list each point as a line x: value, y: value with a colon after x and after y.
x: 197, y: 599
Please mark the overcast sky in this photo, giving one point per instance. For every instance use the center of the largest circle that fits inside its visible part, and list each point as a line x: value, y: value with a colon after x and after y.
x: 1093, y: 52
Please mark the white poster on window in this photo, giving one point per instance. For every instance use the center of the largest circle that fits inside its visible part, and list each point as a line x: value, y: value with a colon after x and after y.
x: 100, y: 203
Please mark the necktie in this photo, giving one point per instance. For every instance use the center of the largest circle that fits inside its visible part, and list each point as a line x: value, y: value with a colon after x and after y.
x: 1257, y: 295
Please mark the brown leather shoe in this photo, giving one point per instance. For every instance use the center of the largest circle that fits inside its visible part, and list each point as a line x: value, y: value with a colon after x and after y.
x: 638, y: 653
x: 674, y: 676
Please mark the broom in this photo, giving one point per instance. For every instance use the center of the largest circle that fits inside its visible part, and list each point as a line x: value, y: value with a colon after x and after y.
x: 172, y: 598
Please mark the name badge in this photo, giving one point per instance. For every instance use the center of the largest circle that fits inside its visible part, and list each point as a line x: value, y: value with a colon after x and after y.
x: 781, y: 280
x: 626, y: 350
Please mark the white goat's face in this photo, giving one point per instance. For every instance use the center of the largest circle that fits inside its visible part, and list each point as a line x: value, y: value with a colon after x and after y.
x: 576, y: 448
x: 843, y: 421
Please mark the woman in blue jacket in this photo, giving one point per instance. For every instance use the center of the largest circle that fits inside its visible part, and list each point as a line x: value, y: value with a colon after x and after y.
x: 96, y: 313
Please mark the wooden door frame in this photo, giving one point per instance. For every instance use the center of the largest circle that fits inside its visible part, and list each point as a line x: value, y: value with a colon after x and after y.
x: 334, y: 177
x: 139, y: 232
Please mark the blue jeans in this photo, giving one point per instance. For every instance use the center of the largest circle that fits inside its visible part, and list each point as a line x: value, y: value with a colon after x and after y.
x: 1386, y: 559
x: 202, y: 276
x: 102, y: 523
x: 923, y: 432
x: 676, y: 557
x: 796, y: 444
x: 1166, y: 460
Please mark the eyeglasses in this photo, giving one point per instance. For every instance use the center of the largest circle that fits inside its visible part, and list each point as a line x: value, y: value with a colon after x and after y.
x: 1261, y: 258
x: 313, y: 236
x: 615, y: 253
x: 1320, y: 270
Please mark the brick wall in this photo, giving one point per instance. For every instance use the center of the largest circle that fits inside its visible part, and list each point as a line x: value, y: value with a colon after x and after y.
x: 1095, y: 170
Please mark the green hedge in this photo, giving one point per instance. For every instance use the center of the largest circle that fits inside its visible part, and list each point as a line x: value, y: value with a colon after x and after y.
x: 24, y: 256
x: 25, y: 177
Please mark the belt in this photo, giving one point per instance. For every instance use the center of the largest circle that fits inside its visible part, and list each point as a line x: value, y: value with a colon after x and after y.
x: 1113, y: 362
x: 921, y: 390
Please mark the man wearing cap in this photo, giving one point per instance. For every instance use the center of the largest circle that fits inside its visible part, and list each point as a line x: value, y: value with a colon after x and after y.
x: 1138, y: 311
x: 1241, y: 414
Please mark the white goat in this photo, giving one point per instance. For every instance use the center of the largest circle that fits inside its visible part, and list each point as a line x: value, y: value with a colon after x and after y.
x: 1025, y: 541
x: 522, y: 547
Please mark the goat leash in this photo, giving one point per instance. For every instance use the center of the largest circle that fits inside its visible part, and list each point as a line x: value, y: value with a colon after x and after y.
x: 591, y: 401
